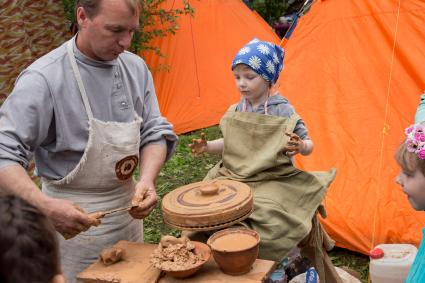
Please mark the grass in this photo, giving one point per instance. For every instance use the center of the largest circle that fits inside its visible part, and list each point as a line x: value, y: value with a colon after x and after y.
x: 183, y: 169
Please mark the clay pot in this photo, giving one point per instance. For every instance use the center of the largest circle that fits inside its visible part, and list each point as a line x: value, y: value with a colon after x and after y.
x: 235, y: 249
x: 200, y: 248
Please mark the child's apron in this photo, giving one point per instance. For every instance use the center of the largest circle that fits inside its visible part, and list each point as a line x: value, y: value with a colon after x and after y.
x: 285, y: 198
x: 102, y: 180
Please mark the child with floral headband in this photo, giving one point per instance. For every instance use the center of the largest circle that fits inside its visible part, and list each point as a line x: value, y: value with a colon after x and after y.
x: 260, y: 135
x: 411, y: 158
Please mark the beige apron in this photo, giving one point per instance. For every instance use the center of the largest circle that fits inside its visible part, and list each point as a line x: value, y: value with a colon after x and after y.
x: 102, y: 180
x: 285, y: 198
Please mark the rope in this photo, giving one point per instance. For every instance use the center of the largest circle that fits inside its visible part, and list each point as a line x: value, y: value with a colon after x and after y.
x: 385, y: 127
x: 194, y: 58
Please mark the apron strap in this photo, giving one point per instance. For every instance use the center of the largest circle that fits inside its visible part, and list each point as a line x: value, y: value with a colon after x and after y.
x: 77, y: 76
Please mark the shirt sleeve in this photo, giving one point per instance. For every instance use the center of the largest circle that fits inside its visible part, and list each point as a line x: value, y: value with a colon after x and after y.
x: 420, y: 112
x: 25, y: 118
x: 301, y: 130
x: 156, y: 129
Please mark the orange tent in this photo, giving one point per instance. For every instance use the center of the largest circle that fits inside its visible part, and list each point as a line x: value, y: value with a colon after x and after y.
x: 199, y: 85
x: 355, y: 71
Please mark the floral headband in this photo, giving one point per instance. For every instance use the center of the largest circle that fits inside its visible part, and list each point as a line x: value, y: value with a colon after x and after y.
x: 415, y: 140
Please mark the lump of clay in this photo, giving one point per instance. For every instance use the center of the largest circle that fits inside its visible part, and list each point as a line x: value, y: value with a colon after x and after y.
x: 111, y: 255
x: 95, y: 218
x: 167, y: 241
x: 175, y: 254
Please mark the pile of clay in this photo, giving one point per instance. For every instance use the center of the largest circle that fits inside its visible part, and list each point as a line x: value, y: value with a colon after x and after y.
x: 174, y: 254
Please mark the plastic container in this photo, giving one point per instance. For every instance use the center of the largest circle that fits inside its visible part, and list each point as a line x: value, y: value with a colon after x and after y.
x: 391, y: 266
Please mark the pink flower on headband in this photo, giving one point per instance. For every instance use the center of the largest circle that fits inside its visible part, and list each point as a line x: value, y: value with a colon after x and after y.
x: 415, y: 140
x: 419, y: 136
x: 408, y: 130
x: 411, y: 145
x: 421, y: 153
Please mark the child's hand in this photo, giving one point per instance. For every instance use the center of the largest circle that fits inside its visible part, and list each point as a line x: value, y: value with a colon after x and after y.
x: 199, y: 146
x: 295, y: 145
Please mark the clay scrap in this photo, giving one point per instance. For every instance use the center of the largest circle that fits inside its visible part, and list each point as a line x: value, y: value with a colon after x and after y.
x: 174, y: 254
x: 111, y: 255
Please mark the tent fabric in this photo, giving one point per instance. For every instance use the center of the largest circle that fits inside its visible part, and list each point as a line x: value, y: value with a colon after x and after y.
x: 199, y: 85
x: 355, y: 72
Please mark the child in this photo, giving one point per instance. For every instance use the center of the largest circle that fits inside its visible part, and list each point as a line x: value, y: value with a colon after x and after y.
x: 260, y: 135
x: 411, y: 158
x: 256, y: 68
x: 28, y: 244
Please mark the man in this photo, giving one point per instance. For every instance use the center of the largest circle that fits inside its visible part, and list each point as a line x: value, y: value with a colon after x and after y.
x: 88, y: 112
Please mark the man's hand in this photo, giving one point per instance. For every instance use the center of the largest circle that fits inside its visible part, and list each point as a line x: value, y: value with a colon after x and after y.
x: 294, y: 146
x: 68, y: 218
x: 144, y: 200
x: 199, y: 146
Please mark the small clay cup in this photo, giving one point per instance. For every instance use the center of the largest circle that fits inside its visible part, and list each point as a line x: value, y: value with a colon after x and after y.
x: 200, y: 248
x: 239, y: 259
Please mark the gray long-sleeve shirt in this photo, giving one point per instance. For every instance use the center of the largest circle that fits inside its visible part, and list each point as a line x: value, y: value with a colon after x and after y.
x: 278, y: 105
x: 45, y: 116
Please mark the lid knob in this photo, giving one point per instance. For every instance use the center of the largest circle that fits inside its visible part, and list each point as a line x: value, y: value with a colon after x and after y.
x: 376, y: 253
x: 209, y: 189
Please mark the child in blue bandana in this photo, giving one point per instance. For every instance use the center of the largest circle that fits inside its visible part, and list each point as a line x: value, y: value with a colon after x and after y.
x: 260, y: 135
x: 256, y: 68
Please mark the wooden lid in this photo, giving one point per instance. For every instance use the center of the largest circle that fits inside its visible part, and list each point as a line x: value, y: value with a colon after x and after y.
x: 207, y: 205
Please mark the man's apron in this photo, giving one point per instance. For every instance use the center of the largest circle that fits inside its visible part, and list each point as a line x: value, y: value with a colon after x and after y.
x: 285, y: 198
x: 102, y: 180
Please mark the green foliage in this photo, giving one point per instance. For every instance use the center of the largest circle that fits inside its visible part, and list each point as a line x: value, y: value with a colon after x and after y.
x: 150, y: 14
x: 180, y: 170
x: 272, y: 10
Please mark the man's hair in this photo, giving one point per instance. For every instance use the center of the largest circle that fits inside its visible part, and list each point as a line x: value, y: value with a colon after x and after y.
x: 92, y: 7
x: 409, y: 161
x: 28, y: 245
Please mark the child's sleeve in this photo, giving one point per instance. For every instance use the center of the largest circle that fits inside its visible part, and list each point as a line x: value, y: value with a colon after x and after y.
x: 301, y: 130
x: 420, y: 112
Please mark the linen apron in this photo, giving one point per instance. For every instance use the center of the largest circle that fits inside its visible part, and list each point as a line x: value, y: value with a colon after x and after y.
x: 285, y: 198
x: 101, y: 181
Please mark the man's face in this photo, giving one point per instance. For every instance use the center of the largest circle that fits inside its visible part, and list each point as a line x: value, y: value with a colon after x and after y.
x: 109, y: 33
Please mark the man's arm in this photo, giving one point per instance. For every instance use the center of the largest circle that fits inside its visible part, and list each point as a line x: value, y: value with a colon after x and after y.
x: 67, y: 219
x: 152, y: 157
x: 24, y: 125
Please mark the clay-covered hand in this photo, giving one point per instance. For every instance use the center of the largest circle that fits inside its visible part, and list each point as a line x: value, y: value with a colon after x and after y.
x: 144, y: 200
x: 294, y: 146
x: 68, y: 218
x: 199, y: 146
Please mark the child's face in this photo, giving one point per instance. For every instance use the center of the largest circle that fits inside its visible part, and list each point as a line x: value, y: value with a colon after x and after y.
x: 250, y: 84
x: 413, y: 185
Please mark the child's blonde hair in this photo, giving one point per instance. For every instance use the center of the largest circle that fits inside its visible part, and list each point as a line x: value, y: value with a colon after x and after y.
x: 409, y: 161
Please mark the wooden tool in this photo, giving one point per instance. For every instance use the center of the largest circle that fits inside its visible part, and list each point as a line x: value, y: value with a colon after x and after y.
x: 101, y: 214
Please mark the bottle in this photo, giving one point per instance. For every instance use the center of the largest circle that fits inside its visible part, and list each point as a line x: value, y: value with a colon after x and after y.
x: 390, y: 263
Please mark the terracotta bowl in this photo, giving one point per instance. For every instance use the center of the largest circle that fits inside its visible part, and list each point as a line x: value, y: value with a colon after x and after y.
x: 200, y: 248
x: 235, y: 249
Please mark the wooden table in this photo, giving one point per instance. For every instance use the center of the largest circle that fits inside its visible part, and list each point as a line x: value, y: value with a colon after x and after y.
x: 136, y: 268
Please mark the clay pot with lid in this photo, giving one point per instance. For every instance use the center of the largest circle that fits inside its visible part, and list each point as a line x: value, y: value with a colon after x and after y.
x: 207, y: 205
x: 235, y: 249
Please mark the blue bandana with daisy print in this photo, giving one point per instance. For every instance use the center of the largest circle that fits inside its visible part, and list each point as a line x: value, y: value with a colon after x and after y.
x: 265, y: 58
